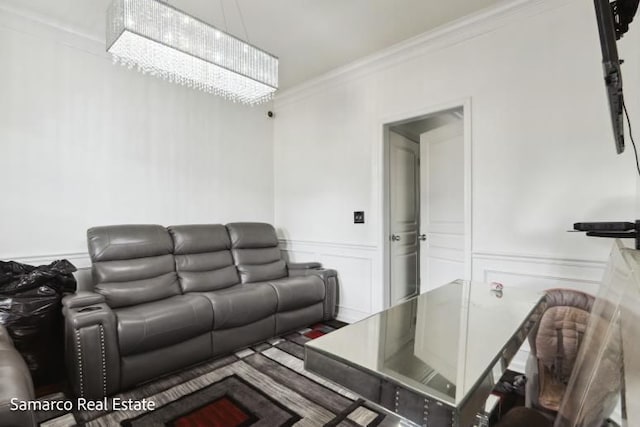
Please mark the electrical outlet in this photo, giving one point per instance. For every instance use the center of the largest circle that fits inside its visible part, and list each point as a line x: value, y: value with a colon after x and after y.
x: 358, y: 217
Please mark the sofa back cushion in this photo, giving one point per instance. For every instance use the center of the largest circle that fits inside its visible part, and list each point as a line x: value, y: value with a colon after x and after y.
x: 255, y: 250
x: 203, y: 257
x: 132, y: 264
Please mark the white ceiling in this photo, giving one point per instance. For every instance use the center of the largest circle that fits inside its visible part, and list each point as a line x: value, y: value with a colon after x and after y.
x: 311, y: 37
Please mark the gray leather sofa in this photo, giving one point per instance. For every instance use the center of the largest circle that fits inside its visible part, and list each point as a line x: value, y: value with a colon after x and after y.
x: 15, y: 383
x: 161, y: 299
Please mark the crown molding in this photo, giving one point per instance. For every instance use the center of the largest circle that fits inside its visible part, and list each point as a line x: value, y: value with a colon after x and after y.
x: 292, y: 244
x: 47, y: 20
x: 466, y: 28
x: 28, y: 22
x: 24, y: 21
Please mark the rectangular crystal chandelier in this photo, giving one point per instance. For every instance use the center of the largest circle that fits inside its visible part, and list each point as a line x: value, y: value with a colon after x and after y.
x: 158, y: 39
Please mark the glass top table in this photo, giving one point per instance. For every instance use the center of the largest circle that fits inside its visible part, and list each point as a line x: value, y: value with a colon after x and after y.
x: 434, y: 358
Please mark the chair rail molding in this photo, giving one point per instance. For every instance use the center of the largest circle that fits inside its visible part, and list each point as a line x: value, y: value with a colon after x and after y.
x: 79, y: 259
x: 544, y: 259
x: 287, y: 243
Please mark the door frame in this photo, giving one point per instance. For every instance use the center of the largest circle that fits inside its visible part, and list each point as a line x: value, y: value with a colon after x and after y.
x: 384, y: 206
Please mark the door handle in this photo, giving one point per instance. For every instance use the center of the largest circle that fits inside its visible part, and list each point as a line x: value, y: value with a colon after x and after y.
x: 422, y: 237
x: 395, y: 238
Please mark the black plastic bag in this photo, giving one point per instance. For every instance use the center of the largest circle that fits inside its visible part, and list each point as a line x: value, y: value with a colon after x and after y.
x: 30, y: 309
x: 16, y: 277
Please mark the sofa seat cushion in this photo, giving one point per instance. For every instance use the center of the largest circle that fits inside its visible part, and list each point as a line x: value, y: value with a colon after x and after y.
x: 241, y: 304
x: 298, y: 292
x: 158, y: 324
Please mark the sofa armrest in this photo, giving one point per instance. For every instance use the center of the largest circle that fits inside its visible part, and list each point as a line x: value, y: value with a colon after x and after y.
x: 330, y: 279
x: 82, y: 299
x: 303, y: 265
x: 17, y: 385
x: 91, y: 348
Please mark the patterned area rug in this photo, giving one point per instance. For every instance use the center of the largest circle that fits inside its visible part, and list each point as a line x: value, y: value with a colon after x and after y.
x: 265, y: 385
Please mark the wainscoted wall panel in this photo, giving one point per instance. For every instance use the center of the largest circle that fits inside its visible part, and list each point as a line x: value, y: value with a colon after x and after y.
x: 442, y: 270
x: 355, y: 266
x: 355, y: 273
x: 536, y: 272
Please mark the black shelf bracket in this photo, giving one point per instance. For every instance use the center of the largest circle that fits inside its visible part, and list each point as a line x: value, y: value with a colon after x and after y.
x: 613, y: 230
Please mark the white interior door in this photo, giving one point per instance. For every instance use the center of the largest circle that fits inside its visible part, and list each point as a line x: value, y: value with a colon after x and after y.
x: 404, y: 194
x: 442, y: 205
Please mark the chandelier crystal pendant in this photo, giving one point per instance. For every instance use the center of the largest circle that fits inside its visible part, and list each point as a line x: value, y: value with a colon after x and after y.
x: 158, y: 39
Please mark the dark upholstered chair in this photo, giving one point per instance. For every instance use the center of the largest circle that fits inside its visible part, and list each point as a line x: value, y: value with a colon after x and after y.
x: 161, y: 299
x: 592, y: 346
x: 594, y: 386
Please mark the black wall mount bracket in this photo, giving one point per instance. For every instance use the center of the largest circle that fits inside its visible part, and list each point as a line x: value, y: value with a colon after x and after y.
x: 613, y: 230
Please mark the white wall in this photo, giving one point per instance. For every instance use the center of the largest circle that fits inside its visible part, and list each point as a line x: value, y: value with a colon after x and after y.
x: 84, y: 142
x: 542, y: 151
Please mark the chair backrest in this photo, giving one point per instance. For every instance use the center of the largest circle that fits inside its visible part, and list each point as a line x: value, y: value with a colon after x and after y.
x: 596, y: 381
x: 203, y: 257
x: 255, y: 251
x: 132, y: 264
x: 557, y: 337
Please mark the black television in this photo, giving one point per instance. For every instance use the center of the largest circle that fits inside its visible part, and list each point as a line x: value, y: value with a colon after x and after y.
x: 613, y: 21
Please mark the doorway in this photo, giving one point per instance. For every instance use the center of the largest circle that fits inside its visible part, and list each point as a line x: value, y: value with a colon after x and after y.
x: 427, y: 184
